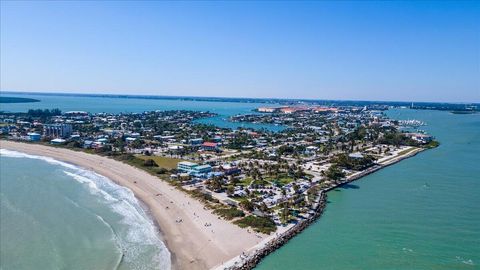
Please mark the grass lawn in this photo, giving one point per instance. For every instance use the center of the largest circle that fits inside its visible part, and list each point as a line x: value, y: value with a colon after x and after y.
x: 163, y: 162
x: 280, y: 181
x: 261, y: 182
x: 245, y: 182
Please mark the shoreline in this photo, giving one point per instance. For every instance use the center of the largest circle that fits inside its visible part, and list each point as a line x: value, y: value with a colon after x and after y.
x: 191, y: 244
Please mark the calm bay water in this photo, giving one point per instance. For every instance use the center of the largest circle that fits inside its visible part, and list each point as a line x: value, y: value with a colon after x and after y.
x: 119, y: 105
x: 421, y: 213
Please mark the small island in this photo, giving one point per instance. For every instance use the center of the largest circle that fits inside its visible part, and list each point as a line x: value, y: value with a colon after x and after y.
x: 17, y: 100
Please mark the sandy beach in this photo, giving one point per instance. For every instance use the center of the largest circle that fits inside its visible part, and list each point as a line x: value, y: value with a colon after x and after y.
x: 191, y: 243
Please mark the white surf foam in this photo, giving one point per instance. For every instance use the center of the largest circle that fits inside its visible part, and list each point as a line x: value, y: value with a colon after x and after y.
x: 464, y: 260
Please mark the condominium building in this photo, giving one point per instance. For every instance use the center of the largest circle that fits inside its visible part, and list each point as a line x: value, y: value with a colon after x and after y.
x: 57, y: 130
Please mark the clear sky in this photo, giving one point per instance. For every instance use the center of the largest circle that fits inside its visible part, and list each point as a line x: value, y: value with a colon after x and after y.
x: 422, y: 51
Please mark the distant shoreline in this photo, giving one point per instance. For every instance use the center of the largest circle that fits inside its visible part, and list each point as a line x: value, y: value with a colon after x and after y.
x: 282, y: 101
x: 17, y: 100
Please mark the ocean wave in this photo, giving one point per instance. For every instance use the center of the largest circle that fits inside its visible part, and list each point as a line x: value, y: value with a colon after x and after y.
x: 138, y: 235
x: 464, y: 260
x: 15, y: 154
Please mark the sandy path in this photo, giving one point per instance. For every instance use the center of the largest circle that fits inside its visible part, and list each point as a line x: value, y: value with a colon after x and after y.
x: 193, y: 246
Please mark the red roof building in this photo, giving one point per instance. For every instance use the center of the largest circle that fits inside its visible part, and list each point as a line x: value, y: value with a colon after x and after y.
x: 210, y: 146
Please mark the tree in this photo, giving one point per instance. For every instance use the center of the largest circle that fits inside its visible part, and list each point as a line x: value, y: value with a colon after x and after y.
x: 230, y: 191
x: 215, y: 184
x: 285, y: 212
x: 334, y: 173
x: 247, y: 205
x: 150, y: 163
x: 119, y: 144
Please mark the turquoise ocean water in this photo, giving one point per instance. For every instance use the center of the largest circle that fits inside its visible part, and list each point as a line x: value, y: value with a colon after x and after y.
x: 54, y: 215
x: 422, y: 213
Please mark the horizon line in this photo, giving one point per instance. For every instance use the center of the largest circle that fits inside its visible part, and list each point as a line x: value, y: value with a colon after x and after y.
x: 219, y: 97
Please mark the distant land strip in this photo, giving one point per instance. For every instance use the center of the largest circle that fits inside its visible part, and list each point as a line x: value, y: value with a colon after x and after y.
x: 443, y: 106
x: 17, y: 100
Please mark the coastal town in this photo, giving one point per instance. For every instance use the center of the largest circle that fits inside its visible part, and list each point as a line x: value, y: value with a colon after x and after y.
x: 256, y: 178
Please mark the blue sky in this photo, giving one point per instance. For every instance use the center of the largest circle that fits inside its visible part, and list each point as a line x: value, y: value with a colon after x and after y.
x: 422, y: 51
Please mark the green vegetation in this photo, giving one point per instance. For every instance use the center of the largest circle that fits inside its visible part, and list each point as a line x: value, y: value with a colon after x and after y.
x: 43, y: 113
x: 163, y: 162
x: 229, y: 213
x: 204, y: 197
x: 245, y: 181
x: 349, y: 163
x: 280, y: 182
x: 239, y: 141
x: 259, y: 183
x: 247, y: 205
x: 147, y: 165
x: 397, y: 139
x: 334, y: 173
x: 432, y: 144
x: 258, y: 224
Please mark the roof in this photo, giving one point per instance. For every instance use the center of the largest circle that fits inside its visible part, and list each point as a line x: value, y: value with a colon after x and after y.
x: 187, y: 163
x: 356, y: 155
x: 210, y: 144
x: 199, y: 167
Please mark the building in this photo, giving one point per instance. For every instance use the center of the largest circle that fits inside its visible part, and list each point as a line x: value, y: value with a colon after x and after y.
x: 34, y: 137
x: 186, y: 166
x: 130, y: 140
x: 356, y: 155
x: 201, y: 169
x: 87, y: 144
x: 229, y: 169
x: 420, y: 137
x: 267, y: 109
x: 164, y: 138
x: 210, y: 146
x: 193, y: 168
x: 57, y: 130
x: 57, y: 141
x: 196, y: 141
x: 325, y: 110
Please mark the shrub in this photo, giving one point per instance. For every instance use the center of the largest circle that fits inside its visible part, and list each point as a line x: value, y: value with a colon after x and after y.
x: 150, y: 163
x: 229, y: 213
x: 259, y: 224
